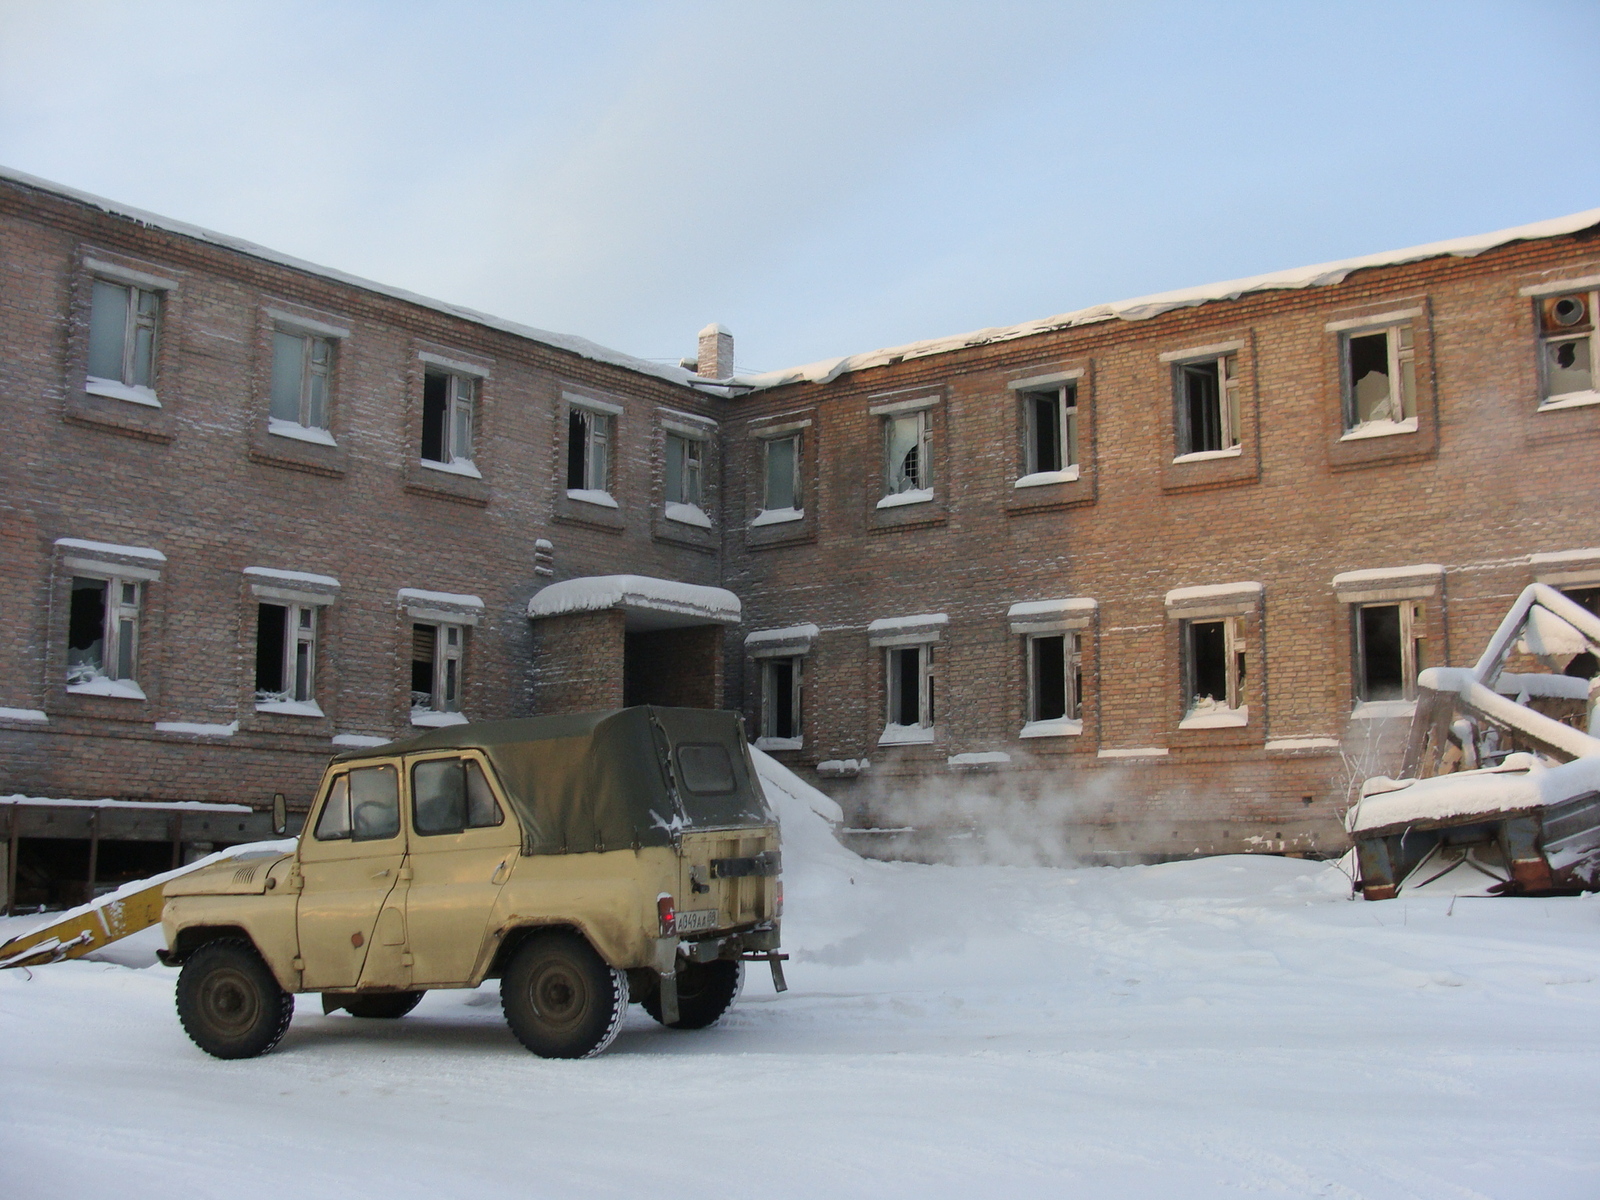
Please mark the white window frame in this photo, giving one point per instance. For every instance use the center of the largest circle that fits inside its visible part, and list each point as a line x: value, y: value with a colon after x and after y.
x: 119, y: 640
x: 691, y: 469
x: 1228, y: 419
x: 1072, y: 666
x: 1230, y: 709
x: 797, y: 503
x: 1551, y: 336
x: 314, y: 375
x: 1065, y: 398
x: 460, y: 418
x: 598, y: 437
x: 1412, y: 635
x: 771, y: 738
x: 1401, y: 350
x: 127, y: 384
x: 449, y: 650
x: 301, y: 627
x: 896, y: 730
x: 896, y: 484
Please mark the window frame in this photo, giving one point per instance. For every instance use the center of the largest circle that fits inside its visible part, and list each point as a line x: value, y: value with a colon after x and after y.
x: 1413, y: 626
x: 1235, y: 667
x: 120, y: 639
x: 893, y: 695
x: 457, y: 408
x: 691, y: 468
x: 770, y: 737
x: 1229, y: 418
x: 797, y: 502
x: 1064, y: 396
x: 1548, y: 337
x: 126, y: 385
x: 444, y: 655
x: 302, y: 622
x: 1400, y: 358
x: 599, y: 441
x: 310, y: 375
x: 1072, y: 675
x: 924, y: 449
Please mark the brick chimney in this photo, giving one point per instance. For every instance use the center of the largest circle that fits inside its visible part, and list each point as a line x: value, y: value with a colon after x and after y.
x: 716, y: 353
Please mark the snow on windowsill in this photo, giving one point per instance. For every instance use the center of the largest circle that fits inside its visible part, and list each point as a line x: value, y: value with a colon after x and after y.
x: 1210, y: 715
x: 117, y: 390
x: 33, y: 715
x: 777, y: 516
x: 1134, y: 752
x: 117, y: 689
x: 300, y: 433
x: 1379, y: 710
x: 1208, y: 455
x: 1385, y: 428
x: 911, y: 496
x: 1305, y: 743
x: 1570, y: 400
x: 843, y: 767
x: 429, y: 719
x: 110, y: 548
x: 456, y: 466
x: 905, y: 735
x: 1040, y: 478
x: 360, y: 741
x: 1061, y: 727
x: 592, y: 496
x: 778, y: 743
x: 687, y: 514
x: 197, y: 728
x: 290, y: 708
x: 980, y: 758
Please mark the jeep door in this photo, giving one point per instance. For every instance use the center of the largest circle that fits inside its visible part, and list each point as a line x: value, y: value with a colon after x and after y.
x: 350, y: 859
x: 464, y: 843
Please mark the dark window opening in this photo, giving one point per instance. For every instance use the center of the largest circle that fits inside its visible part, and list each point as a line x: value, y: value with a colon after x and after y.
x: 1202, y: 396
x: 782, y: 719
x: 435, y: 415
x: 910, y: 686
x: 1049, y: 678
x: 424, y: 642
x: 1045, y: 449
x: 577, y: 450
x: 1208, y: 661
x: 272, y: 630
x: 1383, y: 674
x: 86, y: 628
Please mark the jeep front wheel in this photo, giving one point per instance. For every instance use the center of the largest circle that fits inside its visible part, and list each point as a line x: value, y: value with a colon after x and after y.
x: 229, y: 1003
x: 561, y: 999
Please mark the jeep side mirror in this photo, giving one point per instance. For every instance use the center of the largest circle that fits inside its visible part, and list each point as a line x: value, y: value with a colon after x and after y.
x: 280, y: 814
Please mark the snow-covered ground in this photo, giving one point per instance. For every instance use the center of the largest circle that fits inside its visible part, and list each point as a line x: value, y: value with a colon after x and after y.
x: 1217, y: 1028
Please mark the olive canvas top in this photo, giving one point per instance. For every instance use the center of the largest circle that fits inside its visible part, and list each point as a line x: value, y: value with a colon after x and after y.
x: 613, y: 780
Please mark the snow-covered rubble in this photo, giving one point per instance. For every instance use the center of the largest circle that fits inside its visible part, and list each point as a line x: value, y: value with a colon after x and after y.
x: 1233, y: 1026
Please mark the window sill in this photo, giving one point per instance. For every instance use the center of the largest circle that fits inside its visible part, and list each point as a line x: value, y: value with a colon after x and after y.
x: 1217, y: 718
x: 300, y: 433
x: 1041, y: 478
x: 198, y: 729
x: 906, y: 735
x: 686, y: 514
x: 1209, y: 455
x: 1373, y: 429
x: 456, y: 466
x: 116, y: 689
x: 290, y: 708
x: 29, y: 716
x: 116, y: 390
x: 1570, y: 400
x: 1382, y: 710
x: 977, y: 760
x: 778, y: 743
x: 778, y: 516
x: 426, y: 718
x: 1061, y: 727
x: 913, y: 496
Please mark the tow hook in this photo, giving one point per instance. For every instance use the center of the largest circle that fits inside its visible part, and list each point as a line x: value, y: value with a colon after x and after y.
x: 774, y: 960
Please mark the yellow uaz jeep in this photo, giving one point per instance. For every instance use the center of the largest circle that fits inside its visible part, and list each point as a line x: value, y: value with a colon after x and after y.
x: 583, y: 860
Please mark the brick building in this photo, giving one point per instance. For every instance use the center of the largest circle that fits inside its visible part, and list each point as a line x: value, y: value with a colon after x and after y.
x: 1145, y: 573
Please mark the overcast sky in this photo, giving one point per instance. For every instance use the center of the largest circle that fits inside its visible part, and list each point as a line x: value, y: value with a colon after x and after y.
x: 821, y: 178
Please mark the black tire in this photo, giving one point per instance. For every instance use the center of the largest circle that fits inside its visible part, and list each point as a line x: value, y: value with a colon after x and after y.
x: 705, y: 992
x: 229, y: 1003
x: 382, y: 1006
x: 561, y: 999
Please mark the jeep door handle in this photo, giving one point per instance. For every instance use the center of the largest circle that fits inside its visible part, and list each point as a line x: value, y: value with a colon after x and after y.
x: 500, y: 872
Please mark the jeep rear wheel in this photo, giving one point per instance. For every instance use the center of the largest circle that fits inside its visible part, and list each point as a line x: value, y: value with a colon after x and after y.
x: 561, y: 999
x: 229, y: 1003
x: 705, y: 992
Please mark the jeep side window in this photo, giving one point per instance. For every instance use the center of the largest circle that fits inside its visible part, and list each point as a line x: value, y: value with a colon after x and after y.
x: 363, y: 805
x: 451, y: 794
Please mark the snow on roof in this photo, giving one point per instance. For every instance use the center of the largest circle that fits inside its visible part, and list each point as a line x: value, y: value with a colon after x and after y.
x: 111, y: 548
x: 582, y: 347
x: 595, y: 593
x: 1521, y: 782
x: 1049, y: 608
x: 323, y: 581
x: 1144, y: 307
x: 454, y: 599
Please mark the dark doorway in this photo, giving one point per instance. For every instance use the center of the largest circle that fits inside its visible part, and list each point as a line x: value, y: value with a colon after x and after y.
x: 673, y: 667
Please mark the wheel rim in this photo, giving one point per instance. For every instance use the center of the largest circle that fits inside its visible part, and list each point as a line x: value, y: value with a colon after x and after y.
x: 230, y: 1002
x: 558, y: 996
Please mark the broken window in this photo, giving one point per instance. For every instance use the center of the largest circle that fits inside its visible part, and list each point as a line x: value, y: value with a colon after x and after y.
x: 286, y: 653
x: 1051, y: 416
x: 1214, y: 666
x: 683, y: 469
x: 436, y: 654
x: 1208, y: 405
x: 1388, y: 650
x: 102, y: 631
x: 1567, y: 343
x: 780, y: 697
x: 447, y: 417
x: 122, y: 333
x: 1055, y: 677
x: 908, y: 680
x: 1380, y: 377
x: 301, y: 369
x: 781, y: 474
x: 588, y: 451
x: 908, y: 463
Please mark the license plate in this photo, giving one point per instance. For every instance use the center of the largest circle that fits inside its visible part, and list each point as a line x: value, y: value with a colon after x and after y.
x: 697, y: 920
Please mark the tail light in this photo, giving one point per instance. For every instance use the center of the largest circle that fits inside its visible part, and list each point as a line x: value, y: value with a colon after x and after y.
x: 777, y: 898
x: 667, y: 913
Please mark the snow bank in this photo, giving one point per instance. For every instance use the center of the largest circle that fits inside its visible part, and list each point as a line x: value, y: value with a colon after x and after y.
x: 1520, y: 782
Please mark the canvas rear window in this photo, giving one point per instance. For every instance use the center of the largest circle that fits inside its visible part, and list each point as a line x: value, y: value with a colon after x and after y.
x: 705, y: 769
